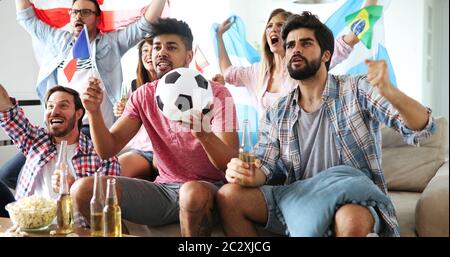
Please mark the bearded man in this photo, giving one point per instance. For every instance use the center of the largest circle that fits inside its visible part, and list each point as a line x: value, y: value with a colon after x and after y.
x: 63, y: 119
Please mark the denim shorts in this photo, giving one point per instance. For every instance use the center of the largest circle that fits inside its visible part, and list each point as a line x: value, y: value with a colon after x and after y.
x: 148, y: 155
x: 275, y: 220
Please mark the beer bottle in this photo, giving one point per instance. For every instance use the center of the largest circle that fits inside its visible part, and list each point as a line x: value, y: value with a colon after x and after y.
x: 245, y: 148
x: 64, y: 211
x: 112, y: 222
x: 96, y: 206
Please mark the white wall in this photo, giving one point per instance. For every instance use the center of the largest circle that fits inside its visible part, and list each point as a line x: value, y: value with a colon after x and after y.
x: 404, y: 26
x: 18, y: 69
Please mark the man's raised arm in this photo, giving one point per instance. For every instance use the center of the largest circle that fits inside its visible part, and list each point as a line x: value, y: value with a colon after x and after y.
x: 22, y: 4
x: 5, y: 102
x: 154, y: 10
x: 107, y: 143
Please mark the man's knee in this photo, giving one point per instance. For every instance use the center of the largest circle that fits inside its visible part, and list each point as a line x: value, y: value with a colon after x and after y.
x: 353, y: 220
x: 195, y: 196
x: 228, y: 195
x: 81, y: 190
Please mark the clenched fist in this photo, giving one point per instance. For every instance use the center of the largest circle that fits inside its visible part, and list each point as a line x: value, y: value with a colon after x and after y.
x: 92, y: 95
x: 378, y: 76
x: 118, y: 109
x: 56, y: 177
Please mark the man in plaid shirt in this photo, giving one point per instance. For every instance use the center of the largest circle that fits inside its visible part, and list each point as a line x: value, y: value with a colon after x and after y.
x: 63, y: 115
x: 328, y: 125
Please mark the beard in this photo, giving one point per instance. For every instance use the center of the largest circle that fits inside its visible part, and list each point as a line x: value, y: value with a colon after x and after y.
x: 66, y: 131
x: 307, y: 72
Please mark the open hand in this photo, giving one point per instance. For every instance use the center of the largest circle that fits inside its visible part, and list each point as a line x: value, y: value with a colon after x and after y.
x: 199, y: 124
x: 225, y: 26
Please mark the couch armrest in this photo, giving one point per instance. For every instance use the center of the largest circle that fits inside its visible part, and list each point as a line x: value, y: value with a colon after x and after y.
x: 432, y: 208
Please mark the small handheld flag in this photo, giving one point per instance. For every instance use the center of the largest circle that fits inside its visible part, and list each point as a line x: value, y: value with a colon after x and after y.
x: 200, y: 60
x: 80, y: 50
x: 362, y: 22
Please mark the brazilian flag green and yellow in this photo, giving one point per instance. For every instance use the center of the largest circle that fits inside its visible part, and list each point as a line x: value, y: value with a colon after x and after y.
x: 363, y: 21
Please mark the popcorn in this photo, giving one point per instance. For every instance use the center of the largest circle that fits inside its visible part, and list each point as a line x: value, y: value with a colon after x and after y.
x: 33, y: 212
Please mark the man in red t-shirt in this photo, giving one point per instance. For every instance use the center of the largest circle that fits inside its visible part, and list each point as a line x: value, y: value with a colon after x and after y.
x: 191, y: 161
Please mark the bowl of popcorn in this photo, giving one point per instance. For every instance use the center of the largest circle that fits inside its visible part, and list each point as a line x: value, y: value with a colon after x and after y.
x: 33, y: 213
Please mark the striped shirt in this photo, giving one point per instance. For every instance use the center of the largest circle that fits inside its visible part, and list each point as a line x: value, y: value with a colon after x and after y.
x: 38, y: 147
x: 355, y: 111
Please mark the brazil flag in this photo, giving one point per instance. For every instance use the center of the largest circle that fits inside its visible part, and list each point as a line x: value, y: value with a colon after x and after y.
x: 363, y: 21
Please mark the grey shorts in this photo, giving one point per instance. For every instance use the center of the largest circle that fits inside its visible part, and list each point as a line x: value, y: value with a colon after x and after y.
x: 275, y: 220
x: 152, y: 204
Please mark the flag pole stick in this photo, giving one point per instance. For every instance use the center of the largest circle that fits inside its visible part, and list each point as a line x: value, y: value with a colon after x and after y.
x: 374, y: 53
x: 92, y: 74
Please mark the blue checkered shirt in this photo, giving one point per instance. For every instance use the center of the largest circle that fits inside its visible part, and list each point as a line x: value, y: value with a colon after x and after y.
x: 355, y: 111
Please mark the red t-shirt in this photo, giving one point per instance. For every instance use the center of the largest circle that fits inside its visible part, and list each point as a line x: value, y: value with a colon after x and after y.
x: 180, y: 156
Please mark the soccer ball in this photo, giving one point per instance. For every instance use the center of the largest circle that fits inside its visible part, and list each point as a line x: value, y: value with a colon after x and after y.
x: 182, y: 91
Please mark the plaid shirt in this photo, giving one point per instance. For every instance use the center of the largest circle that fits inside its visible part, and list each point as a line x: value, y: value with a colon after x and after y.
x: 37, y: 145
x: 355, y: 110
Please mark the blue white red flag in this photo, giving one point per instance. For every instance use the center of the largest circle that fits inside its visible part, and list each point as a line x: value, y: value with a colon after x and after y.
x: 80, y: 50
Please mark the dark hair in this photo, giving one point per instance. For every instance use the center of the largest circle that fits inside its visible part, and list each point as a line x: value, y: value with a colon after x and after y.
x: 76, y: 100
x: 97, y: 6
x: 322, y: 33
x: 143, y: 75
x: 164, y: 26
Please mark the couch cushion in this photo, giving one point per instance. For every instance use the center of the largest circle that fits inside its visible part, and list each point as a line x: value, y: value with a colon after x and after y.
x: 409, y: 168
x: 432, y: 208
x: 405, y: 207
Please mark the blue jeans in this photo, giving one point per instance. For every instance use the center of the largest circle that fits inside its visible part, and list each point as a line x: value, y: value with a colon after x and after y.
x: 5, y: 197
x: 9, y: 172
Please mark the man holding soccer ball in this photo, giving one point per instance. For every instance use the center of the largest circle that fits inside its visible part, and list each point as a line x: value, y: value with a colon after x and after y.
x: 191, y: 159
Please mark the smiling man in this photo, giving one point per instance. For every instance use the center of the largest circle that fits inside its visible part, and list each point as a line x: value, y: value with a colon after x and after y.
x: 40, y: 145
x: 107, y: 50
x: 191, y: 162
